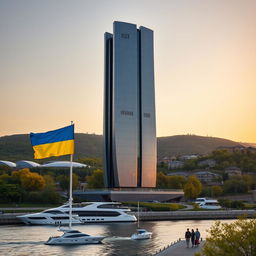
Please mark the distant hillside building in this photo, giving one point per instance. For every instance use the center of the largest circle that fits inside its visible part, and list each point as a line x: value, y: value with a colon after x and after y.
x: 172, y: 165
x: 233, y: 171
x: 207, y: 177
x: 207, y: 163
x: 188, y: 157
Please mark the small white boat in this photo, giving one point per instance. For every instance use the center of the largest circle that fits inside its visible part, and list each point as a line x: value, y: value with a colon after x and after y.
x: 73, y: 237
x: 141, y: 234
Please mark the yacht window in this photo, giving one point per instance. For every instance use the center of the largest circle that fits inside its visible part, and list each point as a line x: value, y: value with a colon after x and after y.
x: 37, y: 218
x: 53, y: 212
x: 78, y: 235
x: 60, y: 218
x: 97, y: 213
x: 112, y: 206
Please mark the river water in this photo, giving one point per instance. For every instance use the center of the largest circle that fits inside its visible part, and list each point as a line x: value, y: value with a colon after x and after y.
x: 29, y: 240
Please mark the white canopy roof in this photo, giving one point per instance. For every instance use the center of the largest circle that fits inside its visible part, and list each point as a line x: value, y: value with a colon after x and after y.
x: 8, y: 163
x: 65, y: 164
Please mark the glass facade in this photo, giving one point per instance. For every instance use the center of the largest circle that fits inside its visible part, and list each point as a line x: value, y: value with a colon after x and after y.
x: 129, y: 108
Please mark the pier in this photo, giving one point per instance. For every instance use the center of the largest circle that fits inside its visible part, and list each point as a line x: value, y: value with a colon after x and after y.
x: 179, y: 248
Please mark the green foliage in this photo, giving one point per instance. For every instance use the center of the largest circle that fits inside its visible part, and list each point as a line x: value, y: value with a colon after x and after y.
x: 235, y: 204
x: 190, y: 164
x: 9, y: 192
x: 216, y: 191
x: 236, y: 239
x: 48, y: 195
x: 64, y: 181
x: 169, y: 182
x: 96, y: 180
x: 156, y: 206
x: 244, y: 159
x: 192, y: 188
x: 93, y: 161
x: 235, y: 185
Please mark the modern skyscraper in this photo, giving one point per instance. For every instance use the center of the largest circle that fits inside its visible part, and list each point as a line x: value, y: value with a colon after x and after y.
x: 129, y: 108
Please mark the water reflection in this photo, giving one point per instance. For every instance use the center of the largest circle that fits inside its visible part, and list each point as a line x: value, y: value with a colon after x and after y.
x: 29, y: 240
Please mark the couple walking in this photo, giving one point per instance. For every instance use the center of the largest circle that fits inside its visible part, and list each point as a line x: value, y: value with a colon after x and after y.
x: 193, y: 236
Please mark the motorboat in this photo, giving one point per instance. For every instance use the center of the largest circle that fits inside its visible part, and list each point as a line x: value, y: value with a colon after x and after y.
x: 82, y: 213
x: 141, y: 234
x: 73, y: 237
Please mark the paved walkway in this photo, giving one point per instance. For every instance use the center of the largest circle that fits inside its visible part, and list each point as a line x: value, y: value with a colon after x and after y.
x: 179, y: 249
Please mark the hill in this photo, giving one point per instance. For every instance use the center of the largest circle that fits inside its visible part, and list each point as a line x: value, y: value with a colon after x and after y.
x: 17, y: 147
x: 190, y: 144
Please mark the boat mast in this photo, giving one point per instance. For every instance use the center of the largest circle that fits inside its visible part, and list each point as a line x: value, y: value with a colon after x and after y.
x: 138, y: 222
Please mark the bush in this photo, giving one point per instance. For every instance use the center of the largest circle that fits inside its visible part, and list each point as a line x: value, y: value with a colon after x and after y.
x: 156, y: 206
x: 235, y: 204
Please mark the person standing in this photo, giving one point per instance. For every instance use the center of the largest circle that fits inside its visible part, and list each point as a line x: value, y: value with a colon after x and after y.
x: 197, y: 236
x: 193, y: 237
x: 187, y: 237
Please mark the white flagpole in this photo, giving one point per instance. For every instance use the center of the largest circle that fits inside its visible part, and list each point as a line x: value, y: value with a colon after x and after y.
x: 70, y: 188
x: 70, y: 191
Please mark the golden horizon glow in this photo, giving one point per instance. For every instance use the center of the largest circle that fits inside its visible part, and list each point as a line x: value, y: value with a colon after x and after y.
x: 51, y: 65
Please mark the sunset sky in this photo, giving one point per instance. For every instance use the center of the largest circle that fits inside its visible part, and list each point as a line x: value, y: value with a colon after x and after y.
x: 51, y: 64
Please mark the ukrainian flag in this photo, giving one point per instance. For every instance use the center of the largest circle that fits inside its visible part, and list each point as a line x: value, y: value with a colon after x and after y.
x: 53, y: 143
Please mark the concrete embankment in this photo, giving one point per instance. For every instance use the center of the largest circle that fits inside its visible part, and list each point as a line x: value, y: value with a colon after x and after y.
x: 196, y: 215
x: 10, y: 218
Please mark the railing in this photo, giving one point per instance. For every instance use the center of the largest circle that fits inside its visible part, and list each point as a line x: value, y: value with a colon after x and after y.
x: 166, y: 247
x: 131, y: 189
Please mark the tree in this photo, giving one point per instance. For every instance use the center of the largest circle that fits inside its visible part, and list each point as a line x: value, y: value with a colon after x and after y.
x: 192, y: 188
x: 32, y: 181
x: 64, y: 181
x: 235, y: 185
x: 161, y: 180
x: 176, y: 182
x: 96, y: 179
x: 9, y: 192
x: 236, y: 239
x: 216, y: 191
x: 91, y: 161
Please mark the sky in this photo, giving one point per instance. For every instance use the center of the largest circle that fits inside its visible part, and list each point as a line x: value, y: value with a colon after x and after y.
x: 51, y: 64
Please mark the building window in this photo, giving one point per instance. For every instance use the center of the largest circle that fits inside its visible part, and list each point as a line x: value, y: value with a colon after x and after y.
x: 126, y: 113
x: 126, y: 36
x: 147, y: 115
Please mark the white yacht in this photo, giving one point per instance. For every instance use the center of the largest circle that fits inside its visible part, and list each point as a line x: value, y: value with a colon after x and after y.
x: 88, y: 212
x: 141, y: 234
x: 73, y: 237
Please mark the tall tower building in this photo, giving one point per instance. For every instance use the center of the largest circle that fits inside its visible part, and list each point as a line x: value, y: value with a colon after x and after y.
x: 129, y: 107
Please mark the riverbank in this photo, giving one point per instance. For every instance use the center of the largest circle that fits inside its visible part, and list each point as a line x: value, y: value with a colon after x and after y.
x: 11, y: 218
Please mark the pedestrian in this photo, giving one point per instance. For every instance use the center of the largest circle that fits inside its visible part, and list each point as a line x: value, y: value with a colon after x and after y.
x: 187, y: 237
x: 193, y: 237
x: 197, y: 236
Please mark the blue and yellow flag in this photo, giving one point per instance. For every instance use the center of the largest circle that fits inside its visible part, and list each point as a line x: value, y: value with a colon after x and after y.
x: 53, y: 143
